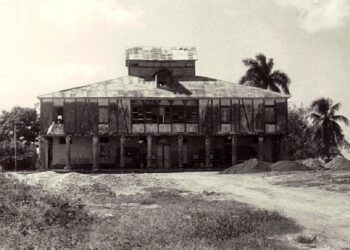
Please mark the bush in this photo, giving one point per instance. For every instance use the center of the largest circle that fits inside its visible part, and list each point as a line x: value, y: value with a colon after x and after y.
x: 26, y: 158
x: 32, y: 219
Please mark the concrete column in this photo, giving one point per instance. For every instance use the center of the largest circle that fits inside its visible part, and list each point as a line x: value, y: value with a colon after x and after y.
x: 44, y: 153
x: 283, y: 148
x: 122, y: 151
x: 95, y: 150
x: 149, y: 151
x: 234, y: 149
x: 207, y: 152
x: 261, y: 149
x: 68, y: 142
x: 180, y: 142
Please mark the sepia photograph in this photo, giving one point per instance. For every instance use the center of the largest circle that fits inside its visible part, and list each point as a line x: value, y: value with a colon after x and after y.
x: 175, y: 125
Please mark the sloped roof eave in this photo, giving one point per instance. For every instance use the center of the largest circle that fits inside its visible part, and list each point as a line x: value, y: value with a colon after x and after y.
x: 135, y: 87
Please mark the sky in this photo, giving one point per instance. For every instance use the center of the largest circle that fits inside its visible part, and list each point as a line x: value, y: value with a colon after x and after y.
x: 57, y: 44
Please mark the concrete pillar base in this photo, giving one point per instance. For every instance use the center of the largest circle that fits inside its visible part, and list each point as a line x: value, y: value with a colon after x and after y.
x: 122, y: 151
x: 234, y: 150
x: 95, y: 144
x: 207, y: 152
x: 261, y: 149
x: 149, y: 151
x: 180, y: 143
x: 68, y: 166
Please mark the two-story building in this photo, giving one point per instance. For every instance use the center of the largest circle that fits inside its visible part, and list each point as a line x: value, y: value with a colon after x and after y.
x: 161, y: 115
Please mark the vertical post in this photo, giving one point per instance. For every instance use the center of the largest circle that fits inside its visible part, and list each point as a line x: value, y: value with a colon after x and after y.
x: 234, y: 149
x: 122, y: 151
x: 15, y: 143
x: 180, y: 142
x: 149, y: 151
x: 261, y: 148
x: 207, y: 151
x: 68, y: 141
x: 95, y: 150
x: 44, y: 153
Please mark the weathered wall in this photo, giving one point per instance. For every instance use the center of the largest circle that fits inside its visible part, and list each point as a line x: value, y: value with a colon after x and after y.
x: 248, y: 116
x: 81, y: 151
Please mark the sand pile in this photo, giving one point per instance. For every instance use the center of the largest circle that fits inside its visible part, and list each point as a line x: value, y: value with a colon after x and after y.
x: 71, y: 185
x: 249, y: 166
x: 76, y: 185
x: 314, y: 164
x: 338, y: 163
x: 289, y: 166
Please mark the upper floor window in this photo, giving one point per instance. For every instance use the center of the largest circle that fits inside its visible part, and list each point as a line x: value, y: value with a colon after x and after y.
x: 163, y: 78
x: 58, y: 110
x: 225, y: 110
x: 103, y: 111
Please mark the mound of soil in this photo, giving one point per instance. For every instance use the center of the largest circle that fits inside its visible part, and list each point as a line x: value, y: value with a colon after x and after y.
x: 338, y: 163
x: 249, y: 166
x: 314, y: 164
x: 289, y: 166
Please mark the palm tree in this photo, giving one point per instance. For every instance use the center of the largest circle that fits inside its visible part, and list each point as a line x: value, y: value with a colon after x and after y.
x: 260, y: 75
x: 326, y: 127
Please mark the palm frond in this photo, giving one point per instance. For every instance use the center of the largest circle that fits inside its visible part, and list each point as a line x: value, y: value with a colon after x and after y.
x: 273, y: 87
x: 321, y: 105
x: 336, y: 106
x: 261, y: 59
x: 314, y: 116
x: 282, y: 80
x: 341, y: 118
x: 270, y: 64
x: 249, y: 62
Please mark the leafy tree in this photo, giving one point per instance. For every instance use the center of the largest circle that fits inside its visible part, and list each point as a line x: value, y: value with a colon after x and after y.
x: 27, y: 130
x: 260, y: 74
x: 300, y: 135
x: 326, y: 126
x: 26, y: 122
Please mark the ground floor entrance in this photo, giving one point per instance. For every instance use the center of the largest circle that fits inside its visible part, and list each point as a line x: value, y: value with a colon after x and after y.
x: 155, y: 151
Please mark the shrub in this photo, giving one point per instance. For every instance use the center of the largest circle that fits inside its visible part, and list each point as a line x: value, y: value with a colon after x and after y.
x: 26, y: 158
x: 32, y: 219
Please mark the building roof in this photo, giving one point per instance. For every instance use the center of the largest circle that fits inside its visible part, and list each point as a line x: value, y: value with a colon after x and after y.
x: 161, y: 53
x: 184, y: 87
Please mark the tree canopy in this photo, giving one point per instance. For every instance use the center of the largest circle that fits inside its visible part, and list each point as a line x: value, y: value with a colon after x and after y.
x: 27, y: 130
x: 260, y: 74
x: 326, y: 127
x: 26, y: 123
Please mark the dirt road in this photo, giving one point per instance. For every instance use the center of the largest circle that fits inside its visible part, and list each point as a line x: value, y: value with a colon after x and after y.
x: 321, y: 212
x: 324, y: 213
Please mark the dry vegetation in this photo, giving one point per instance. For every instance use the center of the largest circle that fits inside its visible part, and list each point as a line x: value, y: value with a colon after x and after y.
x: 82, y: 216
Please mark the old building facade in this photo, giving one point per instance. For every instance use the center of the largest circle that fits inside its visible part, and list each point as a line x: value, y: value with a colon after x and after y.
x: 161, y: 115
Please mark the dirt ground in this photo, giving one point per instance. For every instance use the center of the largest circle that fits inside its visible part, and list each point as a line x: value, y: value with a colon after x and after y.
x: 321, y: 212
x: 318, y: 201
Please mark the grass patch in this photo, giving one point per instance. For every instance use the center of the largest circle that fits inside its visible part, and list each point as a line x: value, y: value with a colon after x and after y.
x: 33, y: 219
x: 187, y: 221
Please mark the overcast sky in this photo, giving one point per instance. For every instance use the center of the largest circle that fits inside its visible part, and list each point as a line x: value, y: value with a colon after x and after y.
x: 56, y: 44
